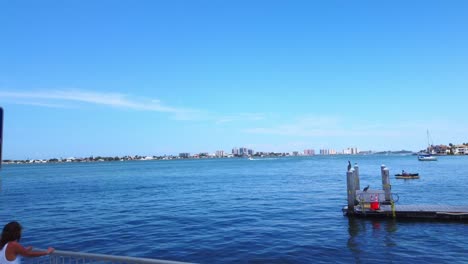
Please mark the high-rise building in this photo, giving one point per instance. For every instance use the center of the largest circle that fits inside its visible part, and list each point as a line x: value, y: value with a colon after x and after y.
x: 328, y: 152
x: 243, y: 151
x: 350, y: 151
x: 235, y: 151
x: 220, y: 153
x: 184, y: 155
x: 324, y: 152
x: 309, y: 152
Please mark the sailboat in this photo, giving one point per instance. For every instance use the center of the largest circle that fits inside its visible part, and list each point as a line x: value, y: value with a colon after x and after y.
x: 427, y: 156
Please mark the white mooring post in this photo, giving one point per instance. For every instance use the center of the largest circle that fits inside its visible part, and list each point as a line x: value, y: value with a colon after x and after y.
x: 357, y: 185
x: 386, y: 183
x: 351, y: 190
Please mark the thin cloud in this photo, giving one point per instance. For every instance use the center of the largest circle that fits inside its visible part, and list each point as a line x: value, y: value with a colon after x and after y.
x: 322, y: 127
x: 72, y: 98
x: 303, y: 126
x: 48, y: 105
x: 48, y: 98
x: 241, y: 117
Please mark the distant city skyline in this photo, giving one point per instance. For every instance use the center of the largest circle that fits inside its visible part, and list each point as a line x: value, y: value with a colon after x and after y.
x: 151, y: 78
x: 442, y: 149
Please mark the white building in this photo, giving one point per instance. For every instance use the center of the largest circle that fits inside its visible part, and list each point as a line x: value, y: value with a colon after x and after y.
x: 461, y: 150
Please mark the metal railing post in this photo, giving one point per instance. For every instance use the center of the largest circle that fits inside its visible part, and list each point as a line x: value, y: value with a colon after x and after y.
x: 69, y: 257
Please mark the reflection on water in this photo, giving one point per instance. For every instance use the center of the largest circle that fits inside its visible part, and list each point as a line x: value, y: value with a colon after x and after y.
x: 365, y: 232
x: 354, y: 228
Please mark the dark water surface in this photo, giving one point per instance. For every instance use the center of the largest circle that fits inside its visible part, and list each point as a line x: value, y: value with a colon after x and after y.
x: 285, y: 210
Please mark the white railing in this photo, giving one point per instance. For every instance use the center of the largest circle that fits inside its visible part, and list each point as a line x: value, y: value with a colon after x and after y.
x: 69, y: 257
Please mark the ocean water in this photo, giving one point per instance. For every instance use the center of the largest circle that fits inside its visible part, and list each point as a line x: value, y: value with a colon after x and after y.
x: 283, y: 210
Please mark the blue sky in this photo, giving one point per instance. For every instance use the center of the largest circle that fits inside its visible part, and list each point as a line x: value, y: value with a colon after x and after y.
x: 81, y: 78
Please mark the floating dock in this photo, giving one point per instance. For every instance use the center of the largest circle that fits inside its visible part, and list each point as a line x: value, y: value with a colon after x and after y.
x: 380, y: 203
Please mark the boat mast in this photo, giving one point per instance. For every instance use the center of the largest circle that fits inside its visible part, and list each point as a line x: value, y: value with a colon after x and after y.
x: 429, y: 142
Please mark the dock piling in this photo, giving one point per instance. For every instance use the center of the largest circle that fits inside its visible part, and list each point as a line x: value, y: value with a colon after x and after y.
x: 357, y: 185
x: 350, y: 176
x: 386, y: 183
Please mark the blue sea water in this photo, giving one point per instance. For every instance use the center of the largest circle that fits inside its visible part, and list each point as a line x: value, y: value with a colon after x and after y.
x: 284, y: 210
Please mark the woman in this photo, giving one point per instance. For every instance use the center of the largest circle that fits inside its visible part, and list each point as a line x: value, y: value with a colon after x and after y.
x: 11, y: 248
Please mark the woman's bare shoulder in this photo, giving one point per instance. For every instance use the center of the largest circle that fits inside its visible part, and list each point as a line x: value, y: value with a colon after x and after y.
x: 13, y: 245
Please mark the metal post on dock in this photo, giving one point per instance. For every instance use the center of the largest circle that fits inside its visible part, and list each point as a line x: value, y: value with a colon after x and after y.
x: 350, y: 176
x: 386, y: 182
x: 357, y: 185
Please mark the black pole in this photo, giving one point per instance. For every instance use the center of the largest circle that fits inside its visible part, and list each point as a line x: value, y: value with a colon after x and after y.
x: 1, y: 135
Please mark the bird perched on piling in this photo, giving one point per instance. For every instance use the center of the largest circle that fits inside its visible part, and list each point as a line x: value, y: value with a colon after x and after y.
x: 366, y: 188
x: 349, y: 165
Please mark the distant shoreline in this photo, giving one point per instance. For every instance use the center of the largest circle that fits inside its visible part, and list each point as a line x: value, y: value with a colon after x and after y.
x: 170, y: 157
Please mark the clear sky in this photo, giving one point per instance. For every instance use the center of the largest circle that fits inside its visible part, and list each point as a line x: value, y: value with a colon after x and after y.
x: 80, y: 78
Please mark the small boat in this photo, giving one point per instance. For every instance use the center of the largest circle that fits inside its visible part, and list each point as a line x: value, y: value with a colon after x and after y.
x: 407, y: 176
x: 426, y: 157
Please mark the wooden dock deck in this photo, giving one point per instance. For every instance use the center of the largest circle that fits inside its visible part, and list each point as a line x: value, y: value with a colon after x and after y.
x: 436, y: 212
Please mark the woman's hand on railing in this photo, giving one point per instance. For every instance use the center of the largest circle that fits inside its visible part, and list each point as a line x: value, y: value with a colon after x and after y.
x: 50, y: 250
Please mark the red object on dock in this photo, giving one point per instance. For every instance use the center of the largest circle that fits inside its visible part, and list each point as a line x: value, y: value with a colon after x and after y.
x: 375, y: 205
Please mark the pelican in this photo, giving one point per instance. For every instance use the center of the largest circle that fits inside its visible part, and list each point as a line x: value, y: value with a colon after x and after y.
x: 366, y: 188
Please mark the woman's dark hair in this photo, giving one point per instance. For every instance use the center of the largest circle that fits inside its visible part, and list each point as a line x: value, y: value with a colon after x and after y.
x: 11, y: 232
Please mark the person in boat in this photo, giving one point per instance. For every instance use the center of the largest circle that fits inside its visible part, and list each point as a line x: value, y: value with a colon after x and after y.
x: 11, y: 249
x: 403, y: 172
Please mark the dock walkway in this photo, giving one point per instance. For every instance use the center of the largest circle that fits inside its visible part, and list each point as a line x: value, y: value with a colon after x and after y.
x: 441, y: 212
